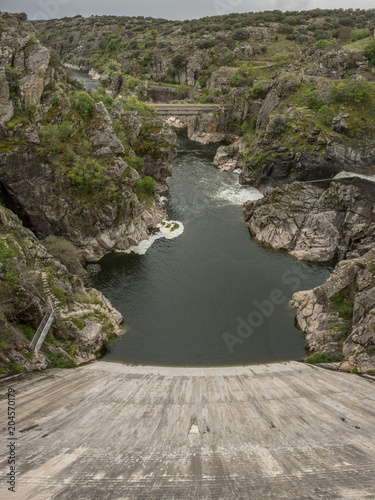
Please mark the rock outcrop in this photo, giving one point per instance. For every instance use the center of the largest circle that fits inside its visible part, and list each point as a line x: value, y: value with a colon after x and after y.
x: 211, y: 127
x: 30, y: 280
x: 316, y: 223
x: 291, y: 144
x: 338, y: 318
x: 52, y: 144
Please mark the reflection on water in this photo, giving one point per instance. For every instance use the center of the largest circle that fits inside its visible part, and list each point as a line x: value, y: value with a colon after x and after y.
x: 212, y: 296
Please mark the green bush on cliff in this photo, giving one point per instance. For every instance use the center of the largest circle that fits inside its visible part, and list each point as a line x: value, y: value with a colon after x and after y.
x: 12, y: 76
x: 132, y: 104
x: 137, y: 163
x: 53, y: 136
x: 369, y: 52
x: 87, y: 175
x: 83, y: 103
x: 145, y: 188
x: 325, y: 115
x: 360, y: 34
x: 356, y: 93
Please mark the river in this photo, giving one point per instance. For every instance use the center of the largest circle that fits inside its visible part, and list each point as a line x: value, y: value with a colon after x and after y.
x: 212, y: 296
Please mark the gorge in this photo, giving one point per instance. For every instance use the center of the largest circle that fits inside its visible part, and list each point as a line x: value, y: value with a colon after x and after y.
x: 189, y: 233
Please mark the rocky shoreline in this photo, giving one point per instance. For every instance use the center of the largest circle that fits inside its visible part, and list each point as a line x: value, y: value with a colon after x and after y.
x: 335, y: 222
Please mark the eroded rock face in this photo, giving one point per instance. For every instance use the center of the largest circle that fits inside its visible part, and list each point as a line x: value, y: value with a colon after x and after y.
x: 27, y: 61
x: 55, y: 209
x: 350, y: 333
x: 314, y: 223
x: 227, y: 158
x: 297, y: 150
x: 101, y: 134
x: 31, y: 279
x: 210, y: 127
x: 334, y: 63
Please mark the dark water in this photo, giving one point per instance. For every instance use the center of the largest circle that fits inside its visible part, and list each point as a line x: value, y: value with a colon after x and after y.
x: 83, y: 76
x: 189, y: 300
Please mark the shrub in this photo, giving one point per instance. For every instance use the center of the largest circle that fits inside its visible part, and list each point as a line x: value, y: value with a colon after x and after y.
x: 227, y: 58
x: 321, y: 44
x: 240, y: 34
x: 311, y: 97
x: 344, y: 306
x: 12, y: 76
x: 54, y: 135
x: 280, y: 126
x: 258, y: 92
x: 325, y: 115
x: 206, y: 44
x: 87, y: 175
x: 137, y: 163
x: 132, y: 104
x: 369, y: 52
x: 356, y: 93
x: 31, y: 40
x: 281, y: 60
x: 360, y: 34
x: 83, y: 103
x: 179, y: 62
x: 324, y: 358
x: 145, y: 188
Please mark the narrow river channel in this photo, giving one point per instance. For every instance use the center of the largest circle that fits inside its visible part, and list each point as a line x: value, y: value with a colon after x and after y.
x: 212, y: 296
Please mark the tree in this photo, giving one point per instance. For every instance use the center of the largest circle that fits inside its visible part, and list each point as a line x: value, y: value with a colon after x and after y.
x: 369, y: 52
x: 325, y: 115
x: 87, y: 175
x: 179, y: 62
x: 240, y: 34
x: 83, y: 103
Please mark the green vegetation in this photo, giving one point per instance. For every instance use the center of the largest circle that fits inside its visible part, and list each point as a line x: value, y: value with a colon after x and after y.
x: 53, y: 136
x: 321, y: 44
x: 324, y: 358
x: 356, y: 93
x: 325, y: 115
x: 280, y: 127
x: 310, y: 97
x: 145, y: 188
x: 360, y: 34
x: 26, y: 330
x: 87, y: 175
x: 137, y: 163
x: 132, y: 104
x: 13, y: 76
x: 342, y: 305
x: 83, y: 103
x: 369, y: 51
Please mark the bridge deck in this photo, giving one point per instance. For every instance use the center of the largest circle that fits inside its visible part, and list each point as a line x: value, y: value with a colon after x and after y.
x: 187, y: 109
x: 110, y: 431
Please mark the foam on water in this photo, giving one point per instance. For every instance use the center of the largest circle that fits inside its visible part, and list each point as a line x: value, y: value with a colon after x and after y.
x: 166, y: 230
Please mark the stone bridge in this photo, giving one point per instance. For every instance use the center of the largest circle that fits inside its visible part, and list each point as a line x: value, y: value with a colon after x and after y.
x: 187, y: 110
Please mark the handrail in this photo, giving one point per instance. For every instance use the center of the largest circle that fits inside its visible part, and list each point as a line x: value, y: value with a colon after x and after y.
x: 43, y: 329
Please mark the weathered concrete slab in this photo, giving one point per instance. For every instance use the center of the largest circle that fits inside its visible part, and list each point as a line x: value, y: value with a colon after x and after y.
x: 110, y: 431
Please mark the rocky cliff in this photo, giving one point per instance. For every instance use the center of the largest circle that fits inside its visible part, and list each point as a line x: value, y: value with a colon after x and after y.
x: 313, y: 222
x: 75, y: 153
x: 305, y: 132
x: 30, y: 280
x: 338, y: 317
x: 323, y: 222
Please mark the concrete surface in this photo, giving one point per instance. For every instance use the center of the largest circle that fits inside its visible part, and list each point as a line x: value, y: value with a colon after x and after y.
x: 110, y: 431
